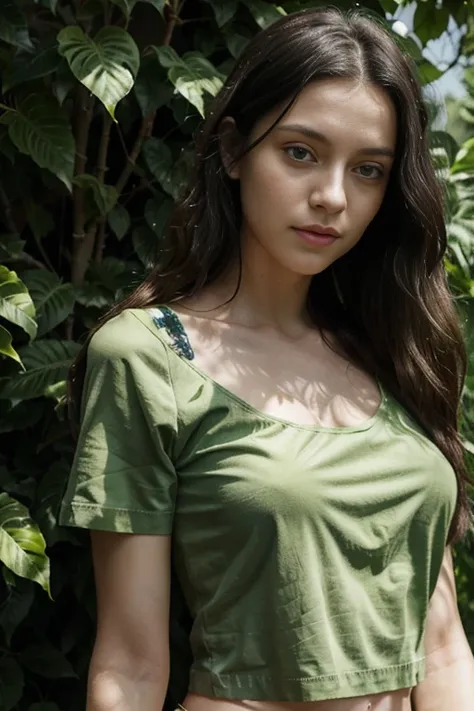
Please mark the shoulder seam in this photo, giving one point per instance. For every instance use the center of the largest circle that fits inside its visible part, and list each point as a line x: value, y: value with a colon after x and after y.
x: 168, y: 366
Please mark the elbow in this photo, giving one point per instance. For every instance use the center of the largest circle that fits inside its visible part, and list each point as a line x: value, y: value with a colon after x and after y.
x: 126, y: 684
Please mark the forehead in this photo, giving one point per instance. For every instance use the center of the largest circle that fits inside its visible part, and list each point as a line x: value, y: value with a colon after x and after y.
x: 344, y: 110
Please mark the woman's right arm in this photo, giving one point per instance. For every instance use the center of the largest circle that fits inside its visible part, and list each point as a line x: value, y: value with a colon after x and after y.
x: 129, y: 669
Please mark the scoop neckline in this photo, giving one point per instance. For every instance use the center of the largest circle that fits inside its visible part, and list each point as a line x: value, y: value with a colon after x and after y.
x: 361, y: 427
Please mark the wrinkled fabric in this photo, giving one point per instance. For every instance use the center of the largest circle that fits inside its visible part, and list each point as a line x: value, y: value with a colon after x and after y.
x: 307, y: 555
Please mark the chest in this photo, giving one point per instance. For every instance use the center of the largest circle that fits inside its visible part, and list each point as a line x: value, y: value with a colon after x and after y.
x: 304, y: 382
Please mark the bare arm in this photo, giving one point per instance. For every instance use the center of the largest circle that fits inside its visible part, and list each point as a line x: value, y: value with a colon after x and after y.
x: 129, y: 669
x: 449, y: 682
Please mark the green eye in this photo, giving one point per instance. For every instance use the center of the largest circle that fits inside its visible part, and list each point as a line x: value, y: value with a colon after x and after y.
x: 299, y: 153
x: 372, y: 170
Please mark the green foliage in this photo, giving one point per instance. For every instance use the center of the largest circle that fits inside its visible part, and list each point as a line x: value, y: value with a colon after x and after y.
x: 100, y: 102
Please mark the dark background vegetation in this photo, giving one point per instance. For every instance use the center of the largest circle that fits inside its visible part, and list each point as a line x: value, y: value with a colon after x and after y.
x: 100, y: 100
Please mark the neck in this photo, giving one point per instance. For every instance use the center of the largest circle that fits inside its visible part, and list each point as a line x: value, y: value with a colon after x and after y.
x: 268, y: 296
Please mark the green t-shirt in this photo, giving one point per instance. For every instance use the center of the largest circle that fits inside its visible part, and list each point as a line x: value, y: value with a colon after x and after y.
x: 307, y: 555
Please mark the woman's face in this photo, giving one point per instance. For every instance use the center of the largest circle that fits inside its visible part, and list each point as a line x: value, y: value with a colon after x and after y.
x: 326, y: 165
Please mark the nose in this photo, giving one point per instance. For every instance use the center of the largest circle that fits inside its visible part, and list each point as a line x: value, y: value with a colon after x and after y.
x: 328, y: 192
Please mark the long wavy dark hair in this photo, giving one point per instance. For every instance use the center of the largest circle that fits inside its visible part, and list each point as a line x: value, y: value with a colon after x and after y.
x: 397, y: 319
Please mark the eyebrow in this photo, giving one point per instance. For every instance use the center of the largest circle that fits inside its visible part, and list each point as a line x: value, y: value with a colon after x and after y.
x: 317, y: 136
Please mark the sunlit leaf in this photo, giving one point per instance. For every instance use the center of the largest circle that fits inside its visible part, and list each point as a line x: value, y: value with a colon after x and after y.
x: 107, y: 65
x: 22, y: 546
x: 16, y: 304
x: 192, y: 75
x: 6, y: 348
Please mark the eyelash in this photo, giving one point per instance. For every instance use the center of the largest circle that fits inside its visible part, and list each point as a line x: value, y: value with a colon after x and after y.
x: 380, y: 172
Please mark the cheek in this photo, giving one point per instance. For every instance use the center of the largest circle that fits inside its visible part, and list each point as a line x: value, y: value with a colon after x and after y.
x: 264, y: 186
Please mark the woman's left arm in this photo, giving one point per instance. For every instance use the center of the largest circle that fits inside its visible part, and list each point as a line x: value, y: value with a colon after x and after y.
x: 449, y: 681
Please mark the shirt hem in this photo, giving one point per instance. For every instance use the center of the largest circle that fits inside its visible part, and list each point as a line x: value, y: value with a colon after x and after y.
x: 266, y: 687
x: 117, y: 520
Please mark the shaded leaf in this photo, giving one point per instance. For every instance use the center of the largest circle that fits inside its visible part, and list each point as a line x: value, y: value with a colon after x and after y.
x: 7, y: 148
x: 46, y: 363
x: 146, y: 244
x: 11, y: 683
x: 119, y: 221
x: 107, y: 65
x: 49, y: 495
x: 44, y: 706
x: 224, y: 10
x: 53, y: 299
x: 151, y: 91
x: 444, y: 140
x: 428, y: 73
x: 430, y: 21
x: 158, y: 158
x: 39, y: 128
x: 11, y: 247
x: 20, y: 417
x: 13, y: 25
x: 157, y: 214
x: 105, y: 196
x: 16, y: 606
x: 22, y: 546
x: 29, y: 65
x: 47, y: 661
x: 158, y: 4
x: 41, y: 221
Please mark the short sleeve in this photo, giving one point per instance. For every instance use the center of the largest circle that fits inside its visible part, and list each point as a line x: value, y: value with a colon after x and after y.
x: 123, y: 478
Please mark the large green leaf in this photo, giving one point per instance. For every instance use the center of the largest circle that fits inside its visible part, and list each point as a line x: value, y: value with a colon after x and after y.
x: 11, y: 683
x: 224, y: 10
x: 159, y: 159
x: 22, y: 546
x: 146, y: 245
x: 53, y: 299
x: 46, y: 363
x: 6, y: 348
x: 40, y: 128
x: 192, y: 75
x: 264, y: 14
x: 151, y: 86
x: 104, y: 196
x: 13, y: 25
x: 107, y: 65
x: 44, y: 706
x: 16, y: 304
x: 430, y: 21
x: 29, y: 65
x: 157, y: 214
x: 119, y: 221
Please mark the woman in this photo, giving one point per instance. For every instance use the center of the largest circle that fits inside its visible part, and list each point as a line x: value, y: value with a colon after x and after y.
x: 287, y: 429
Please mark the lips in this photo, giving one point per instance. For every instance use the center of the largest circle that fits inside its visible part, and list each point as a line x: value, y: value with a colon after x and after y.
x: 320, y: 230
x: 315, y: 239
